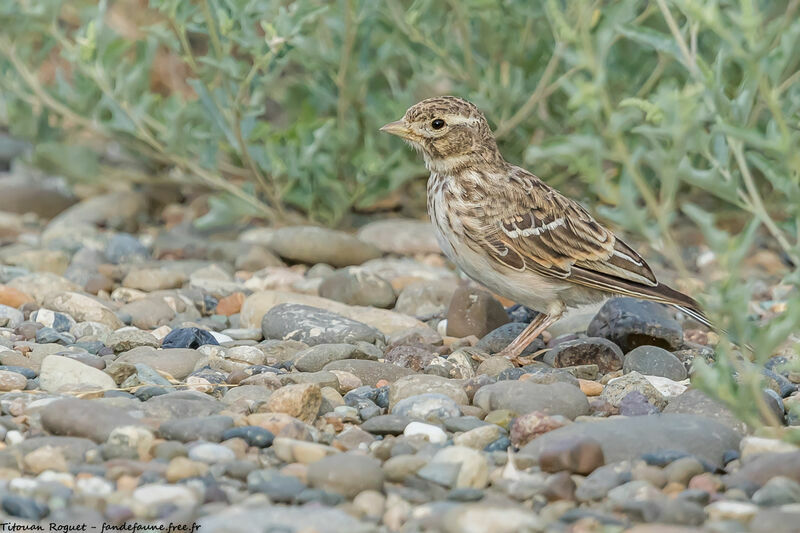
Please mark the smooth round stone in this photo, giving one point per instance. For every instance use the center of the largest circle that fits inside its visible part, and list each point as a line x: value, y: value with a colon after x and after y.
x: 301, y: 401
x: 586, y: 351
x: 169, y: 449
x: 180, y: 468
x: 527, y: 427
x: 59, y: 373
x: 209, y: 428
x: 494, y: 366
x: 629, y: 322
x: 319, y: 496
x: 434, y: 434
x: 354, y: 286
x: 417, y: 384
x: 630, y: 438
x: 313, y: 326
x: 153, y: 495
x: 10, y: 317
x: 49, y: 335
x: 125, y: 248
x: 346, y: 474
x: 311, y: 244
x: 426, y: 299
x: 619, y: 388
x: 280, y: 488
x: 253, y: 435
x: 51, y: 319
x: 128, y: 339
x: 474, y: 311
x: 779, y: 490
x: 22, y: 507
x: 145, y: 393
x: 473, y: 468
x: 93, y: 347
x: 211, y: 453
x: 86, y: 358
x: 463, y: 423
x: 636, y: 404
x: 682, y: 470
x: 478, y: 438
x: 431, y: 406
x: 526, y: 397
x: 398, y: 467
x: 386, y: 424
x: 500, y: 337
x: 188, y: 338
x: 579, y: 455
x: 500, y: 445
x: 27, y: 372
x: 654, y: 361
x: 12, y: 381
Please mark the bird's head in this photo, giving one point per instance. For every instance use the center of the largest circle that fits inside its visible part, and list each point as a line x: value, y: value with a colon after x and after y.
x: 450, y: 132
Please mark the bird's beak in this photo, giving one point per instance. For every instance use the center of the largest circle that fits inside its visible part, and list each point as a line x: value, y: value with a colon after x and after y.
x: 398, y: 127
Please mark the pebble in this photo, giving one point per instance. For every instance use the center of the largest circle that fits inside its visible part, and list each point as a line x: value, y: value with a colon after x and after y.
x: 426, y: 299
x: 301, y: 401
x: 209, y: 428
x: 63, y: 374
x: 474, y: 311
x: 211, y: 453
x: 586, y: 351
x: 10, y: 381
x: 434, y: 434
x: 654, y: 361
x: 355, y: 286
x: 630, y: 438
x: 618, y: 388
x: 252, y: 435
x: 629, y: 323
x: 418, y: 384
x: 188, y: 338
x: 430, y: 406
x: 346, y: 474
x: 531, y: 425
x: 311, y: 244
x: 497, y: 339
x: 526, y: 397
x: 314, y: 326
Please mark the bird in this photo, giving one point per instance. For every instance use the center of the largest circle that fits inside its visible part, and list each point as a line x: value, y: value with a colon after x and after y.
x: 511, y: 232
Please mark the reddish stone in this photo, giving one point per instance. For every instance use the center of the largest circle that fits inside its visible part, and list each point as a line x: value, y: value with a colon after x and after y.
x: 527, y: 427
x: 13, y: 297
x: 230, y: 305
x: 579, y: 455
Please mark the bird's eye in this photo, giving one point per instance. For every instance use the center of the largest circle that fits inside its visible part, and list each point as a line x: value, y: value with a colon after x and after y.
x: 437, y: 124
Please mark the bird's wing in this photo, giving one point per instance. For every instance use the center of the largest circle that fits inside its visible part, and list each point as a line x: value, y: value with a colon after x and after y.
x: 530, y: 226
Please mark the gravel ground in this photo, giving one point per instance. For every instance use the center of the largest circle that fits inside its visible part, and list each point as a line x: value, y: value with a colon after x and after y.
x: 311, y: 380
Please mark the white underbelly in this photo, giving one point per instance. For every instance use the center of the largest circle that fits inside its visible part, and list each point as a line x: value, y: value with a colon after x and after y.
x: 526, y: 288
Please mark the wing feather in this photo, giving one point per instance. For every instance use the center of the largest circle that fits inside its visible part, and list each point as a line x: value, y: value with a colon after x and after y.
x: 546, y: 232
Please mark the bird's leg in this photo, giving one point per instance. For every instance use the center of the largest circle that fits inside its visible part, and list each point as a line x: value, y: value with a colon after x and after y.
x: 527, y: 336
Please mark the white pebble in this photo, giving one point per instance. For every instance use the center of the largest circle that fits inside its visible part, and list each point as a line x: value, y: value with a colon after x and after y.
x: 94, y: 486
x: 751, y: 445
x: 667, y: 387
x: 14, y: 437
x: 434, y: 434
x: 209, y: 452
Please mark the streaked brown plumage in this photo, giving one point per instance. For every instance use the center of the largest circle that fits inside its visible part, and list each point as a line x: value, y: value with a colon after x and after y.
x: 510, y: 231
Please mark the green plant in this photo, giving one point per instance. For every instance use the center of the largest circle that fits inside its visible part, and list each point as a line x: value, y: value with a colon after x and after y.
x: 661, y: 112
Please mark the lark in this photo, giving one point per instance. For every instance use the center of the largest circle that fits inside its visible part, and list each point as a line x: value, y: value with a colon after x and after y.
x: 511, y: 232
